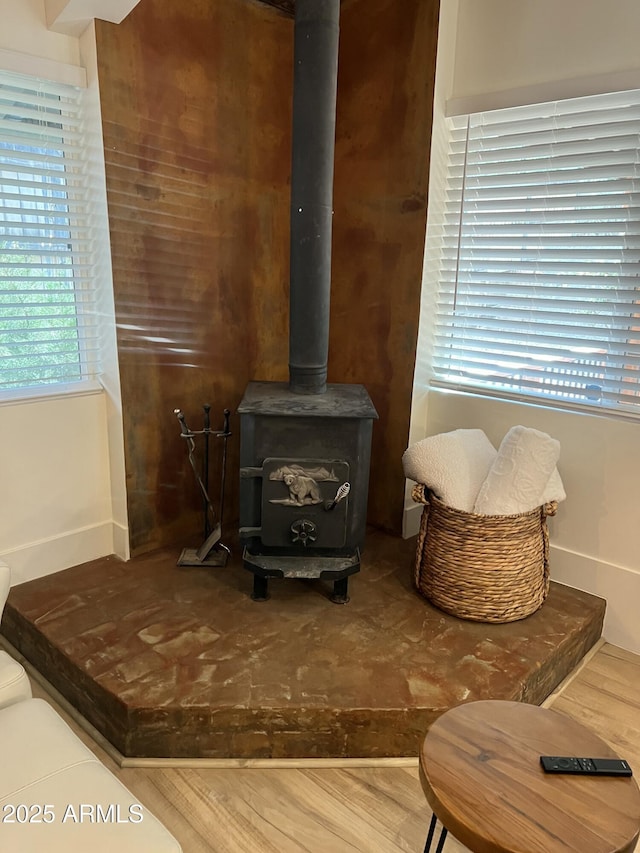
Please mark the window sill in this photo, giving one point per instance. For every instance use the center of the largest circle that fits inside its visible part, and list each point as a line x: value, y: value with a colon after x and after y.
x: 561, y: 406
x: 59, y: 391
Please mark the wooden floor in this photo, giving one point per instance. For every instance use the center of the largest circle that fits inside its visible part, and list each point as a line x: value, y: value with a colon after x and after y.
x: 370, y: 810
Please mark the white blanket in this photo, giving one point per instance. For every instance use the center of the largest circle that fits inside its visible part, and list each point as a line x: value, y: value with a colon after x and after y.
x: 554, y: 490
x: 452, y: 464
x: 520, y: 478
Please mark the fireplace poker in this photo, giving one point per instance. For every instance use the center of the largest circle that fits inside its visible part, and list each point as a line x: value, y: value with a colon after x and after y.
x: 226, y: 432
x: 205, y: 464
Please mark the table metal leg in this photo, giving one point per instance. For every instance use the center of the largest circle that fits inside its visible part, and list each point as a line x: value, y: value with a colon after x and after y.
x: 441, y: 840
x: 443, y: 837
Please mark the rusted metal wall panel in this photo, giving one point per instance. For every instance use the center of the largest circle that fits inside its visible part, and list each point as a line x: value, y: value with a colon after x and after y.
x: 196, y: 102
x: 386, y: 71
x: 196, y: 114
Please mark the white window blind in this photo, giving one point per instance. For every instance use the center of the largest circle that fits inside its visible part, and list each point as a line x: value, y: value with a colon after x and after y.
x: 48, y: 332
x: 539, y: 288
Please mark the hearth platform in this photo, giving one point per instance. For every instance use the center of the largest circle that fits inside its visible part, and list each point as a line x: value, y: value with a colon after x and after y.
x: 180, y: 662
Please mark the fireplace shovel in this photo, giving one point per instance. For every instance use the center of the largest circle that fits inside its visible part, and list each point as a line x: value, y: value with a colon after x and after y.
x: 212, y: 552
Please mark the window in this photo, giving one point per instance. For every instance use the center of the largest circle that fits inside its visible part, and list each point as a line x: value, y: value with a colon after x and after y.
x: 539, y: 278
x: 47, y: 325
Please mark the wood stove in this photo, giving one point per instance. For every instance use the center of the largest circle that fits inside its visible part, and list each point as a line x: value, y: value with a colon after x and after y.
x: 305, y: 447
x: 304, y: 479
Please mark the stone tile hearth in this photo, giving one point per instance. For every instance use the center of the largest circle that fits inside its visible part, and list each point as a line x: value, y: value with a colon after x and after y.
x: 180, y: 662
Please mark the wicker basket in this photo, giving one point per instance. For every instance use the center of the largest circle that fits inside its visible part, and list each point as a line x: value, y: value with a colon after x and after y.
x: 486, y: 568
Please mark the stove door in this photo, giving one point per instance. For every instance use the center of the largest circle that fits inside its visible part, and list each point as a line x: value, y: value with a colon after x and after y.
x: 303, y: 504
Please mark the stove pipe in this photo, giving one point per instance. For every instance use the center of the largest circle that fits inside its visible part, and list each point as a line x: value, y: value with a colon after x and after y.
x: 315, y: 76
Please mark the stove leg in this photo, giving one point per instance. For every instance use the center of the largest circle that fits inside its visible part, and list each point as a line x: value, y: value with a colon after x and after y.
x: 260, y: 588
x: 340, y: 591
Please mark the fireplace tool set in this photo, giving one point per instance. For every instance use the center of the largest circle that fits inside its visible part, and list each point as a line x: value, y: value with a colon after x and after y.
x: 212, y: 552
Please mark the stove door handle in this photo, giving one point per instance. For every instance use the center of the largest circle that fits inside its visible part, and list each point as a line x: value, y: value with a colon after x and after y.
x: 341, y: 494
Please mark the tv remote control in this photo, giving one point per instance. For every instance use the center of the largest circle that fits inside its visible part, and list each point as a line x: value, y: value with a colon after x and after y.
x: 585, y: 766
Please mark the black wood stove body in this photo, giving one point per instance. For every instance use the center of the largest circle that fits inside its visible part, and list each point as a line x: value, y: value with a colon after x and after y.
x: 305, y: 446
x: 304, y: 479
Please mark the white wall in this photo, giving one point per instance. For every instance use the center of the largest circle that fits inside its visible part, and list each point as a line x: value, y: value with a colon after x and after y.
x: 24, y: 30
x: 507, y: 44
x: 56, y: 506
x: 529, y: 50
x: 62, y: 487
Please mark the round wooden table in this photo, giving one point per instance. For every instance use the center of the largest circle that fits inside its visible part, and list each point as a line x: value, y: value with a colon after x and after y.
x: 480, y: 771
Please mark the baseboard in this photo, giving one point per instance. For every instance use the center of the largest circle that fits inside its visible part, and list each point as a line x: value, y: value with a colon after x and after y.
x: 411, y: 520
x: 619, y: 586
x: 121, y: 541
x: 46, y: 556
